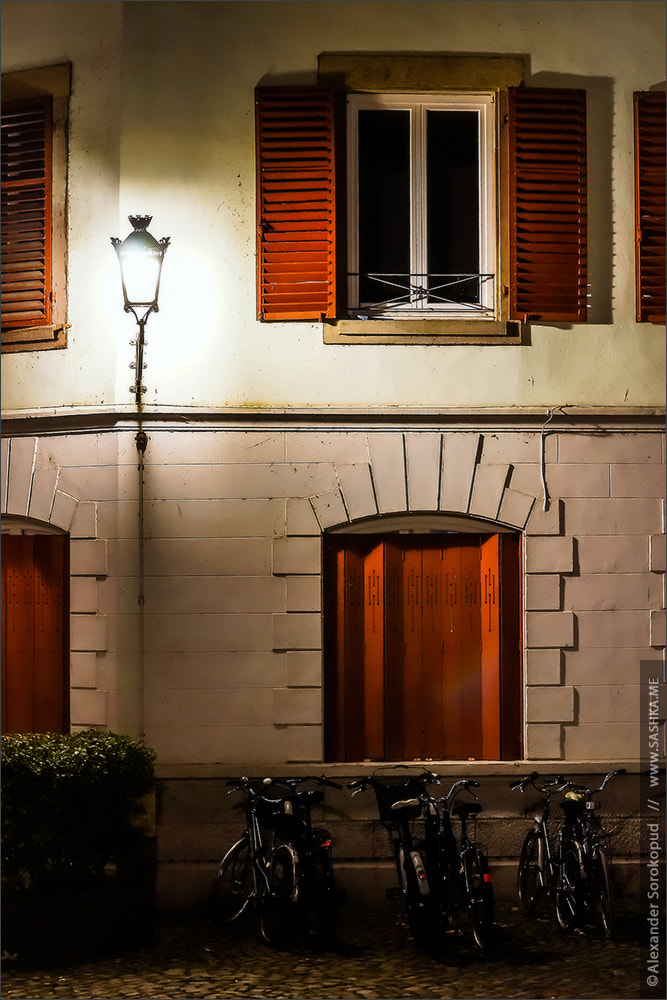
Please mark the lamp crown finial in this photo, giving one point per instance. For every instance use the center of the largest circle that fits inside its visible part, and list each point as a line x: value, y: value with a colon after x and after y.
x: 140, y: 221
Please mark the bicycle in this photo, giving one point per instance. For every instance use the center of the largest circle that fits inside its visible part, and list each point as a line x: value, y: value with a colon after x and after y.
x: 587, y: 854
x: 473, y: 889
x: 281, y: 865
x: 575, y: 871
x: 438, y: 877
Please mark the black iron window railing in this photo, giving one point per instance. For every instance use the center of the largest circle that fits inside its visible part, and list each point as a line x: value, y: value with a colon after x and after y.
x: 384, y: 292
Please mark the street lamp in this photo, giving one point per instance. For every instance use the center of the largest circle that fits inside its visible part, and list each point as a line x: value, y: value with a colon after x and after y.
x: 140, y: 258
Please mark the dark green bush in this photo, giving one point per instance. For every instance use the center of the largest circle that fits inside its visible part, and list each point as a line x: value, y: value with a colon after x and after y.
x: 68, y: 805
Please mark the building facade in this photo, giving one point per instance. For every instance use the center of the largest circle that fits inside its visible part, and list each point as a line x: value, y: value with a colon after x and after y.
x: 343, y: 525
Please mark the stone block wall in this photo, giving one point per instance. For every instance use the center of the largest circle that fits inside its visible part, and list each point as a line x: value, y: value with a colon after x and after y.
x: 195, y: 611
x: 221, y: 660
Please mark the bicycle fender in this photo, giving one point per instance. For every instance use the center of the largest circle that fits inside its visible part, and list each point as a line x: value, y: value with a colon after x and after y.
x: 420, y: 872
x: 295, y: 881
x: 294, y: 860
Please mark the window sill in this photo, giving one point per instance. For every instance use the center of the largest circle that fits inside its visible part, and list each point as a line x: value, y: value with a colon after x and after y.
x: 34, y: 338
x: 423, y: 332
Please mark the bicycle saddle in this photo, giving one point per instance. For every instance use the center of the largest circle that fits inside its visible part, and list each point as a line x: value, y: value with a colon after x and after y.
x: 467, y: 808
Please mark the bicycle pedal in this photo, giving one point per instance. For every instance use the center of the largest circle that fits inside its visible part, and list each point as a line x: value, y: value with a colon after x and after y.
x: 394, y: 893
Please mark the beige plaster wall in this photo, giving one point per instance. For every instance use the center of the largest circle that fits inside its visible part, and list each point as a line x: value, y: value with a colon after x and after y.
x: 162, y: 122
x: 222, y: 662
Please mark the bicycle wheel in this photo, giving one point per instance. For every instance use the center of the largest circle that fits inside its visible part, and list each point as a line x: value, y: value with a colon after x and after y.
x: 233, y: 885
x: 277, y: 905
x: 530, y: 876
x: 603, y: 897
x: 569, y: 888
x: 479, y: 898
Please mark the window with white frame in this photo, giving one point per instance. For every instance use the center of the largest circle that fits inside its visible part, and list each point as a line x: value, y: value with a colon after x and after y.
x: 421, y: 205
x: 421, y: 199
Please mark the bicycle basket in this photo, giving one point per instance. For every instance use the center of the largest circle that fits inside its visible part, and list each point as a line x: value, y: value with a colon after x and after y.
x: 278, y: 814
x: 389, y: 789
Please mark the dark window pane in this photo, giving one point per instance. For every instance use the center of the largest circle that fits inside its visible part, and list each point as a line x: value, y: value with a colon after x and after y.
x: 384, y: 204
x: 453, y: 203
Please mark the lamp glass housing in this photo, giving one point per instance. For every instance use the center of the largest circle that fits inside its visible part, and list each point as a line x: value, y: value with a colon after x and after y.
x: 140, y: 258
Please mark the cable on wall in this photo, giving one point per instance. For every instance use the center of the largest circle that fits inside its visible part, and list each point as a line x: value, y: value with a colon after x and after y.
x: 543, y: 475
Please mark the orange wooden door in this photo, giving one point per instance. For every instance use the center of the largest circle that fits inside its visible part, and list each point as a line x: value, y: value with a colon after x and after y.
x: 425, y: 663
x: 35, y: 678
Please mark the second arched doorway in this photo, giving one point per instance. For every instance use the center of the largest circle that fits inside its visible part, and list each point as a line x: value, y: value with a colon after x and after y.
x: 422, y: 654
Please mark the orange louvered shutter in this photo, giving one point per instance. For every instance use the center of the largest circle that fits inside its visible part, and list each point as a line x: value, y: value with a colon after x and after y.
x: 26, y: 213
x: 296, y: 224
x: 547, y: 204
x: 650, y: 205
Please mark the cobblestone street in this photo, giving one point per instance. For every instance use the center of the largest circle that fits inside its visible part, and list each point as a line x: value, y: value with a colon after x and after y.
x: 376, y: 959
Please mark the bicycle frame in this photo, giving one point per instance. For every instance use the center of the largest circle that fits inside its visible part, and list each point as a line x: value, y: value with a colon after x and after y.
x: 435, y: 872
x: 276, y: 872
x: 580, y: 807
x: 307, y: 842
x: 306, y: 883
x: 567, y: 874
x: 465, y: 882
x: 397, y: 816
x: 258, y: 849
x: 582, y: 827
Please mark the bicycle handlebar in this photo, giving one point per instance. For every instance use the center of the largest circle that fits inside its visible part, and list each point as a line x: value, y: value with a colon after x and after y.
x: 293, y: 783
x: 361, y: 784
x: 588, y: 792
x: 426, y: 777
x: 459, y: 786
x: 245, y: 784
x: 549, y: 784
x: 557, y: 783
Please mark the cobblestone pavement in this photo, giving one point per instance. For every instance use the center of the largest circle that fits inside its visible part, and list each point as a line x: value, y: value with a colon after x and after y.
x: 377, y: 958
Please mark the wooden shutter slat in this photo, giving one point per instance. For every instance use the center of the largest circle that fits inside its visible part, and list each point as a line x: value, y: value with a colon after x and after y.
x: 649, y: 130
x: 548, y: 204
x: 296, y: 225
x: 26, y: 213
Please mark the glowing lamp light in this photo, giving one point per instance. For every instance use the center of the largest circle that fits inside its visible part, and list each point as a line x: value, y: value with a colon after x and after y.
x: 140, y: 258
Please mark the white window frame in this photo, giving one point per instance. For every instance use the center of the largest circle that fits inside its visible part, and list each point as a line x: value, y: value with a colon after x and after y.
x: 419, y: 104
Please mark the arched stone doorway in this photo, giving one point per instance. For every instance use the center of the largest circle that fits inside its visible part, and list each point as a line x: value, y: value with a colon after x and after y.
x: 422, y: 654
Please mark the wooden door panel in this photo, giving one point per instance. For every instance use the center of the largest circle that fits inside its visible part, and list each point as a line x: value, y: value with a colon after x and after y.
x: 412, y: 628
x: 510, y: 647
x: 490, y: 651
x: 452, y: 679
x: 48, y: 627
x: 35, y: 638
x: 374, y: 629
x: 353, y: 656
x: 426, y: 664
x: 470, y: 628
x: 394, y: 714
x: 432, y: 652
x: 18, y: 653
x: 3, y: 636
